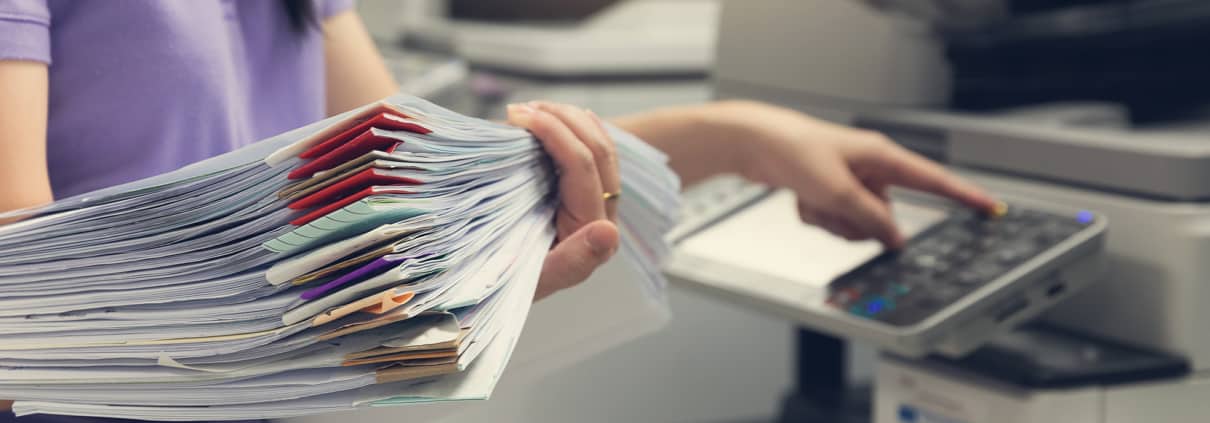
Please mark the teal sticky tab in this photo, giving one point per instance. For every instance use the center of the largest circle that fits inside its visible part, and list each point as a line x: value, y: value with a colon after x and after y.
x: 350, y: 220
x: 397, y: 401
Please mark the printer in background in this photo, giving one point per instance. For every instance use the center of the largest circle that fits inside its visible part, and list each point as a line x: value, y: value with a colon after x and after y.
x: 564, y: 39
x: 1097, y: 104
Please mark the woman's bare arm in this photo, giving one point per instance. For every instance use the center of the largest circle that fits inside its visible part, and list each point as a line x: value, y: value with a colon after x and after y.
x: 24, y: 181
x: 356, y: 74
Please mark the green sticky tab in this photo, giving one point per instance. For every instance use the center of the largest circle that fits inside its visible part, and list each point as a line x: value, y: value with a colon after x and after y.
x: 350, y: 220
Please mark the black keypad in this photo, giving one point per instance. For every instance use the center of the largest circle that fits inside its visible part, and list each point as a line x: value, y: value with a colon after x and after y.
x: 950, y: 260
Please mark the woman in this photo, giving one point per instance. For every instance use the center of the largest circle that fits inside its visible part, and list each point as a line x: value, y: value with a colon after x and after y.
x: 100, y: 93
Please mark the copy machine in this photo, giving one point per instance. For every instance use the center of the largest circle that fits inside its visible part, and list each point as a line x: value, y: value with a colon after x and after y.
x: 1131, y: 347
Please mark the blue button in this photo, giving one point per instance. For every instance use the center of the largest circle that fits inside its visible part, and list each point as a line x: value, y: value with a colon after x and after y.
x: 1085, y: 217
x: 875, y: 306
x: 907, y: 414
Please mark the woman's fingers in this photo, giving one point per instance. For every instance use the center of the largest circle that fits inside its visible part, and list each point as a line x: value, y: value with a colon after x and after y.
x: 579, y: 180
x: 871, y: 216
x: 910, y: 170
x: 832, y: 224
x: 588, y: 168
x: 830, y: 193
x: 843, y: 199
x: 591, y: 132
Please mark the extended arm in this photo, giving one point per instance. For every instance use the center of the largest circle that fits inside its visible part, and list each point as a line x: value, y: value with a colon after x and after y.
x: 355, y: 72
x: 839, y: 174
x: 24, y: 181
x: 23, y: 177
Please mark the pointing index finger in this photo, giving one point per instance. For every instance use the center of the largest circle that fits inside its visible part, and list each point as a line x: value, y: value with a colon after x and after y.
x: 914, y: 171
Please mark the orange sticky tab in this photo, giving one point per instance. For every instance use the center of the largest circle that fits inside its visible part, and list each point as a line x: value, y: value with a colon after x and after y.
x: 380, y: 299
x: 389, y: 303
x: 397, y: 315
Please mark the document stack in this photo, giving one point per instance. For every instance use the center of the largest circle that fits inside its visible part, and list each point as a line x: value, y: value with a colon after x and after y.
x: 386, y: 256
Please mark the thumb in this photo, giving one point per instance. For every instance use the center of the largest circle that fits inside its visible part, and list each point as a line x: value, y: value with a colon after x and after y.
x: 520, y: 115
x: 573, y: 259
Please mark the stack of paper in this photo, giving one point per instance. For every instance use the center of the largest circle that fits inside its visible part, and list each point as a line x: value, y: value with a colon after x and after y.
x: 386, y: 256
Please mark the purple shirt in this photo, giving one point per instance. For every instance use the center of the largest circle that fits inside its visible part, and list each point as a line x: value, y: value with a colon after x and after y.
x: 141, y: 87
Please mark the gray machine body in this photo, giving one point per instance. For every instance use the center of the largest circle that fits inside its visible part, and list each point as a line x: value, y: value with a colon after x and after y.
x: 1022, y: 293
x: 847, y: 63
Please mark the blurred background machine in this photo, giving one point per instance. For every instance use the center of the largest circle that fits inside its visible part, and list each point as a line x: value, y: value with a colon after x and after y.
x: 1098, y: 104
x: 1093, y: 104
x: 571, y: 39
x: 614, y: 56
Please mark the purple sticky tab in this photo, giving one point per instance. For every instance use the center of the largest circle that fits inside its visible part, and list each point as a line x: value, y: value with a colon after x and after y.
x: 361, y: 273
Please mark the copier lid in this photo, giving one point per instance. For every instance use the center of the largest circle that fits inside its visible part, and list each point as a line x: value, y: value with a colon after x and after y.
x: 1170, y: 162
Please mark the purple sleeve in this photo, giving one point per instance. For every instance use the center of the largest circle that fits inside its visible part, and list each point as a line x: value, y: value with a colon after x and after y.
x: 330, y: 8
x: 25, y: 30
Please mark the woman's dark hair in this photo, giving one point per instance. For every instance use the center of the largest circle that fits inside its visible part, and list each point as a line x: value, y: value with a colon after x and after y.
x: 301, y: 14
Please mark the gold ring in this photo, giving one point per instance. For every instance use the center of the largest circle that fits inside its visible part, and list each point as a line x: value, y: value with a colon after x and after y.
x: 610, y: 195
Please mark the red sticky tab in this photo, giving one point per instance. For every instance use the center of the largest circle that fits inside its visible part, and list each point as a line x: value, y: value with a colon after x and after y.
x: 320, y: 212
x: 353, y: 149
x: 344, y: 125
x: 361, y: 180
x: 384, y: 120
x: 357, y: 196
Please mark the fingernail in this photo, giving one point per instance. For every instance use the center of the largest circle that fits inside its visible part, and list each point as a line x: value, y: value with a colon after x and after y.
x: 522, y: 108
x: 602, y: 239
x: 520, y: 113
x: 535, y: 104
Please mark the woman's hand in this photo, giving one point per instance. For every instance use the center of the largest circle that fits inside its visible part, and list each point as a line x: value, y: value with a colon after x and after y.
x: 587, y: 163
x: 841, y: 174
